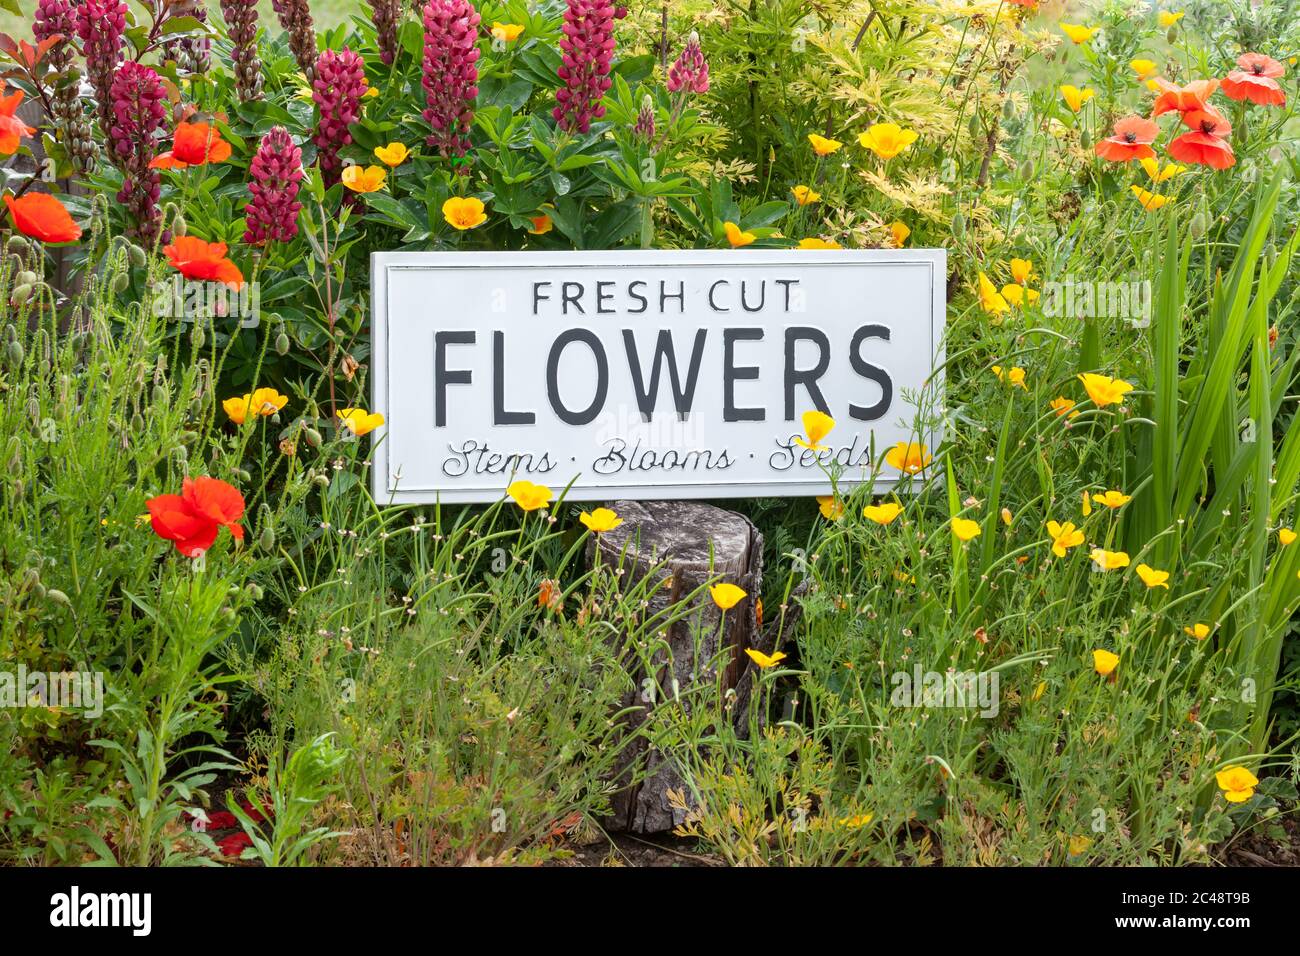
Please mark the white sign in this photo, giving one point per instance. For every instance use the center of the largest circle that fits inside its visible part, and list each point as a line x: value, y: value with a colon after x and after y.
x: 649, y: 374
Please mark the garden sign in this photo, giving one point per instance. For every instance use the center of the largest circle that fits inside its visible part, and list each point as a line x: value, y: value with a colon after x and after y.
x: 649, y: 374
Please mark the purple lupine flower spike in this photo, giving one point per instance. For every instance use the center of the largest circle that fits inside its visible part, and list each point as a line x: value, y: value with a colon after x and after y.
x: 139, y: 105
x: 339, y: 84
x: 100, y: 24
x: 386, y: 15
x: 450, y: 69
x: 57, y: 18
x: 587, y: 49
x: 241, y: 25
x: 295, y: 17
x: 274, y: 175
x: 690, y: 72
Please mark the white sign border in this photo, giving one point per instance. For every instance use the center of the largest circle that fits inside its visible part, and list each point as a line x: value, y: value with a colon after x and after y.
x: 381, y: 263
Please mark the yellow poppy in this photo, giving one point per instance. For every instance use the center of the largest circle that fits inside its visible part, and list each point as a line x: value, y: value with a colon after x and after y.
x: 763, y: 660
x: 507, y: 32
x: 1143, y: 68
x: 529, y: 496
x: 1063, y: 406
x: 1104, y: 390
x: 1079, y: 34
x: 1022, y: 270
x: 1075, y: 97
x: 394, y: 154
x: 1014, y: 376
x: 1237, y: 783
x: 1148, y: 200
x: 1113, y: 499
x: 464, y: 212
x: 736, y: 237
x: 541, y: 224
x: 1285, y: 536
x: 817, y: 425
x: 1064, y: 537
x: 1105, y: 560
x: 364, y: 180
x: 600, y: 520
x: 1104, y: 662
x: 814, y: 243
x: 883, y: 513
x: 831, y: 507
x: 965, y: 529
x: 823, y: 146
x: 1198, y: 630
x: 908, y: 457
x: 1167, y: 18
x: 887, y: 140
x: 726, y: 596
x: 1152, y: 166
x: 1153, y: 578
x: 804, y: 195
x: 899, y: 231
x: 991, y: 300
x: 359, y: 421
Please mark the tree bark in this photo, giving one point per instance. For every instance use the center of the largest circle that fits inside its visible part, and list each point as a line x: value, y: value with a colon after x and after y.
x: 684, y: 544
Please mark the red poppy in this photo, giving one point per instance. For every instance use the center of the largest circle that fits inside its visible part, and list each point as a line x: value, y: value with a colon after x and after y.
x: 42, y: 217
x: 1207, y: 143
x: 1193, y: 96
x: 1256, y: 80
x: 194, y: 144
x: 234, y: 844
x: 1132, y: 140
x: 252, y: 811
x: 201, y: 260
x: 12, y: 129
x: 192, y: 518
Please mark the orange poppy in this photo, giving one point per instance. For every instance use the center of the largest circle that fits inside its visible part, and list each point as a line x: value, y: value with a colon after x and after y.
x: 1207, y: 143
x: 193, y: 144
x: 205, y: 261
x: 1132, y: 140
x: 12, y: 129
x: 42, y: 217
x: 191, y: 519
x: 1193, y: 96
x: 1256, y: 80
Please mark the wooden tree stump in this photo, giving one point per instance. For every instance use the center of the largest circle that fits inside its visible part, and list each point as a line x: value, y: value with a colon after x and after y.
x: 688, y: 544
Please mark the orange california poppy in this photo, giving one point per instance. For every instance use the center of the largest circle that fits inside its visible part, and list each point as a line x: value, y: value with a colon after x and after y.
x: 194, y: 144
x: 1132, y: 140
x: 1256, y: 80
x: 1207, y: 143
x: 1193, y: 96
x: 12, y: 129
x: 201, y: 260
x: 42, y: 217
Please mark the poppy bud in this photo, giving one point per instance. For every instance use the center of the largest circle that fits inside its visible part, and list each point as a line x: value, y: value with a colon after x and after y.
x: 26, y: 277
x: 137, y: 423
x: 160, y: 395
x: 180, y: 453
x: 312, y: 436
x: 31, y: 578
x: 1198, y: 225
x: 958, y: 225
x: 179, y: 226
x: 58, y: 597
x: 120, y: 283
x: 243, y: 475
x: 197, y: 336
x: 282, y: 343
x: 254, y: 591
x: 14, y: 353
x: 17, y: 245
x: 322, y: 481
x: 1027, y: 172
x: 266, y: 540
x: 189, y: 437
x: 21, y: 293
x: 135, y: 255
x: 1172, y: 36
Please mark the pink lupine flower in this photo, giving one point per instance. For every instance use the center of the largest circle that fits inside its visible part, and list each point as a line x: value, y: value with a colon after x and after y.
x: 295, y: 17
x: 339, y: 84
x: 99, y: 25
x: 690, y: 72
x: 241, y: 26
x: 139, y: 105
x: 276, y: 170
x: 644, y: 128
x: 386, y: 15
x: 450, y: 70
x: 58, y: 18
x: 587, y: 48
